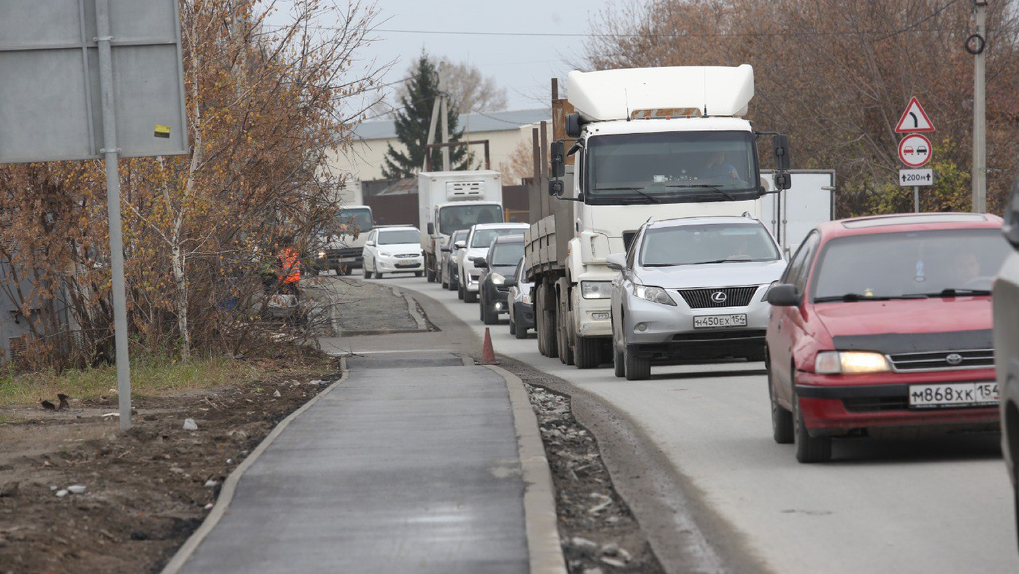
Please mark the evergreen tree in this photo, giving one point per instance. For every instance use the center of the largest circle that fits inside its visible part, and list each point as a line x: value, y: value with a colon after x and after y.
x: 412, y: 122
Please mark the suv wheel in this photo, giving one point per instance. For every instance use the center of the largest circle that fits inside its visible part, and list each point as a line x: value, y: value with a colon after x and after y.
x: 636, y: 368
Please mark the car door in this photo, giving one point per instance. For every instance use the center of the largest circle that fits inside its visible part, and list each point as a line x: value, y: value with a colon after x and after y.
x: 370, y: 246
x: 622, y: 284
x: 786, y: 323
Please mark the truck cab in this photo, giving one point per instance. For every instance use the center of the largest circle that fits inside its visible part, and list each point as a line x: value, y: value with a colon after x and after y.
x: 342, y: 244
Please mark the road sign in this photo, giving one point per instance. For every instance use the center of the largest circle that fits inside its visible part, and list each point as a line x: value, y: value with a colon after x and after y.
x: 909, y: 177
x: 914, y: 119
x: 915, y: 150
x: 51, y: 105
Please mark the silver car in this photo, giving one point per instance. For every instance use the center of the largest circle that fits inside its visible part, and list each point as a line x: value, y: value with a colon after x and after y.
x: 692, y: 289
x: 1006, y: 344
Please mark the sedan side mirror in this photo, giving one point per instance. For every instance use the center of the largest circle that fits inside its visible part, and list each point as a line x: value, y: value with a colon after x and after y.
x: 460, y: 244
x: 616, y: 261
x: 369, y: 244
x: 783, y: 295
x: 480, y: 262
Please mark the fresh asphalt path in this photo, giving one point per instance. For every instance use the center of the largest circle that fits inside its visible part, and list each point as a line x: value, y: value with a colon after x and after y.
x: 928, y: 506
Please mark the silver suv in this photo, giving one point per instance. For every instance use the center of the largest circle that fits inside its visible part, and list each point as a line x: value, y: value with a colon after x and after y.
x: 1005, y: 297
x: 692, y: 289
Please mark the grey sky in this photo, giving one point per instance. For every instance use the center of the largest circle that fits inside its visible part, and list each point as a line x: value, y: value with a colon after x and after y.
x: 521, y: 64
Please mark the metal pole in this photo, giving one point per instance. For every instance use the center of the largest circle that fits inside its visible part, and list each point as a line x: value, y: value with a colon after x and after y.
x: 979, y: 117
x: 113, y: 206
x: 445, y: 134
x: 916, y: 198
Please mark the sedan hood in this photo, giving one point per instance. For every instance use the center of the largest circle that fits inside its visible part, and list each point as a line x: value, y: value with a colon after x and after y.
x: 934, y: 315
x: 712, y: 274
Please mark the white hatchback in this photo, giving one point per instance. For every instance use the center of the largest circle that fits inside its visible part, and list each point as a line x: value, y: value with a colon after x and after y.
x: 393, y: 250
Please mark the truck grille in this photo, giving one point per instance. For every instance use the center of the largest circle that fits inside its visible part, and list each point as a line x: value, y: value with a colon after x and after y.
x: 706, y: 298
x: 940, y: 360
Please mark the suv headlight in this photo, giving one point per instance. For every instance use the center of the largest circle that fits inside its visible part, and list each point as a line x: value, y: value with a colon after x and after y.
x: 596, y: 289
x: 498, y: 279
x: 850, y: 363
x: 653, y: 294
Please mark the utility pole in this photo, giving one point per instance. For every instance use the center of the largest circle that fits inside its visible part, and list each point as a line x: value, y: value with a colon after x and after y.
x: 975, y: 45
x: 445, y: 132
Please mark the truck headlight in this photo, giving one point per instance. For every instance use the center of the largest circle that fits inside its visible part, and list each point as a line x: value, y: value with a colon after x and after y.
x: 321, y: 254
x: 596, y: 289
x: 498, y: 279
x: 653, y: 294
x: 850, y: 363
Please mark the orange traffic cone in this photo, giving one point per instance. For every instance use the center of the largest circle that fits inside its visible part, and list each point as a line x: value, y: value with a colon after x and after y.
x: 487, y: 352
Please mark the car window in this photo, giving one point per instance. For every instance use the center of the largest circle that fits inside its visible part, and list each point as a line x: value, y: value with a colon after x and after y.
x: 707, y: 243
x: 631, y: 254
x: 795, y: 273
x: 485, y: 237
x: 909, y: 263
x: 397, y: 236
x: 505, y: 254
x: 519, y: 273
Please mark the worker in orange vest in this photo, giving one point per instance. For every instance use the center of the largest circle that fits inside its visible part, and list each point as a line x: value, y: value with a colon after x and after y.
x: 290, y: 271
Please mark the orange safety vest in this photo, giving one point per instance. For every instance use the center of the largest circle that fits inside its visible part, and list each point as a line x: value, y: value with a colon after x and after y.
x: 291, y: 266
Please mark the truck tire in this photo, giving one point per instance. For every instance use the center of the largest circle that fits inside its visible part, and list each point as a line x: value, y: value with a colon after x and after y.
x: 637, y: 368
x: 587, y: 352
x: 544, y: 321
x: 430, y: 274
x: 562, y: 333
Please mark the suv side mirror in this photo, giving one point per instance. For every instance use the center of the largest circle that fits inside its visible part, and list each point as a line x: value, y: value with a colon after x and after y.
x: 557, y: 151
x: 616, y: 261
x: 783, y: 295
x: 480, y: 262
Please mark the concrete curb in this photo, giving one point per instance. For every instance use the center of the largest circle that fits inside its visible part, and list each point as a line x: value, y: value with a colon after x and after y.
x: 230, y: 484
x: 543, y: 544
x: 412, y: 309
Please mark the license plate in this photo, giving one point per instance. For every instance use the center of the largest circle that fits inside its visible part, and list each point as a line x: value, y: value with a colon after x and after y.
x: 404, y: 265
x: 719, y: 321
x: 953, y: 395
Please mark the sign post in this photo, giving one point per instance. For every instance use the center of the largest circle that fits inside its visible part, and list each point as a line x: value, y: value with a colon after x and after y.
x: 51, y: 65
x: 915, y: 150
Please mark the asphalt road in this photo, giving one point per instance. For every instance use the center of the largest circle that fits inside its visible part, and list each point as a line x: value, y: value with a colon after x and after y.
x: 924, y: 505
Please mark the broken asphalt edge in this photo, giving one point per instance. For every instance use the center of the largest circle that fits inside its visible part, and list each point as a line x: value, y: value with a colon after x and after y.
x: 543, y: 543
x: 230, y: 484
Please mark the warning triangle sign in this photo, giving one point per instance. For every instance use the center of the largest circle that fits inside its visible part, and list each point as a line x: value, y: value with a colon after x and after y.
x: 914, y: 119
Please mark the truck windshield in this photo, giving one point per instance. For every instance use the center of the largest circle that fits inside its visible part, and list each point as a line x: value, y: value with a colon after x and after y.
x: 456, y: 217
x: 671, y: 167
x: 709, y: 243
x: 398, y: 236
x: 359, y: 218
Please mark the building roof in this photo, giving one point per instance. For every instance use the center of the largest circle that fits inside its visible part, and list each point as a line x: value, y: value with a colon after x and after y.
x: 477, y: 122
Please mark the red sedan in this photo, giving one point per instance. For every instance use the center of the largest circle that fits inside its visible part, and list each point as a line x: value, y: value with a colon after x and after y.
x: 884, y: 322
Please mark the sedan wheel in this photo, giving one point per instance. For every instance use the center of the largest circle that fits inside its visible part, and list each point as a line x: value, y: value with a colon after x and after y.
x: 781, y: 419
x: 367, y: 274
x: 808, y: 449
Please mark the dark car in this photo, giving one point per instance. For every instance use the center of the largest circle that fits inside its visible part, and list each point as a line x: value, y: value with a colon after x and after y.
x: 882, y: 323
x: 448, y: 275
x: 497, y: 268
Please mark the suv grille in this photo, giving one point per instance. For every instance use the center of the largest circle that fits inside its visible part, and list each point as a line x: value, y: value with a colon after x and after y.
x: 939, y: 360
x: 705, y: 298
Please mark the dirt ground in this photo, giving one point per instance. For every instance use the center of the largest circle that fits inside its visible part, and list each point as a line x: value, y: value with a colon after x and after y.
x: 145, y: 490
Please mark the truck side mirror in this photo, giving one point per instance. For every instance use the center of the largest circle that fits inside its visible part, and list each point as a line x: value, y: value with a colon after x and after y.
x: 556, y: 188
x: 573, y: 125
x: 780, y: 144
x: 557, y: 151
x: 431, y: 228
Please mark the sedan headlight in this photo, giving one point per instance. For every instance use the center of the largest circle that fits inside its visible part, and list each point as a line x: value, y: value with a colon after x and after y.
x: 385, y: 254
x: 653, y: 294
x: 596, y: 289
x: 850, y: 363
x: 498, y: 279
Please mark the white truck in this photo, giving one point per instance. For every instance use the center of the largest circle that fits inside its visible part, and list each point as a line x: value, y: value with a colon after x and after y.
x: 342, y: 244
x: 645, y: 142
x: 452, y: 200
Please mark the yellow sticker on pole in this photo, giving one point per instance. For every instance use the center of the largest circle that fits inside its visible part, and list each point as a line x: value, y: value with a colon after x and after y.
x: 162, y: 131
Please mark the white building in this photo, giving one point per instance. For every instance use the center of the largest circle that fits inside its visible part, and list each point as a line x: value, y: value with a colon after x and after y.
x: 503, y: 130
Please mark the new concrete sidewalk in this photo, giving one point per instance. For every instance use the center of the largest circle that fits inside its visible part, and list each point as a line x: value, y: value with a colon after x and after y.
x: 411, y: 464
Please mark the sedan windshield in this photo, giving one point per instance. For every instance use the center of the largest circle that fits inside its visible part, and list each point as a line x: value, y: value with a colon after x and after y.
x: 359, y: 218
x: 943, y: 263
x: 506, y: 254
x: 707, y: 243
x: 671, y: 167
x: 485, y: 237
x: 398, y: 236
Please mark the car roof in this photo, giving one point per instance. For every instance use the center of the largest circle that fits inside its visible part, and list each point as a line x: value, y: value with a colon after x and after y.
x: 703, y: 220
x: 500, y: 226
x: 509, y: 239
x: 901, y: 222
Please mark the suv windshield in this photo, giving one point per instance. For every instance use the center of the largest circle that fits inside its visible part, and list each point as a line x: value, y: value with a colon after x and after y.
x: 360, y: 218
x: 671, y: 167
x: 456, y: 217
x: 399, y: 236
x: 485, y: 237
x: 707, y: 243
x: 913, y: 264
x: 506, y: 254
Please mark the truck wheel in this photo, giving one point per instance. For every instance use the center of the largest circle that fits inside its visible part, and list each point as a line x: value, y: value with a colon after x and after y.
x: 781, y: 419
x: 562, y: 338
x: 430, y: 273
x: 588, y: 352
x: 637, y: 368
x: 809, y: 449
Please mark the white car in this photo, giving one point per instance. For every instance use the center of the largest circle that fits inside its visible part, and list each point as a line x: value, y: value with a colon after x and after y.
x: 691, y: 289
x: 478, y: 240
x: 1005, y: 299
x: 521, y: 310
x: 394, y: 249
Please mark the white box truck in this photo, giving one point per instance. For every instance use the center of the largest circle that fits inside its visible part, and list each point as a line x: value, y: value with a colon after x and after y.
x: 645, y: 142
x: 452, y: 200
x: 340, y: 247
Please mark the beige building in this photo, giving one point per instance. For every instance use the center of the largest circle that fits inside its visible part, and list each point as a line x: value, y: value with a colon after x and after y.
x: 503, y: 130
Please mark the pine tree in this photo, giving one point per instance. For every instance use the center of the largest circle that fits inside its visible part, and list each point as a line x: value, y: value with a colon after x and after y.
x: 412, y: 122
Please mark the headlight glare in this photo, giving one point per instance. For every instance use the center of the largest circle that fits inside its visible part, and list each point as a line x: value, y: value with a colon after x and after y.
x: 596, y: 289
x: 498, y: 279
x: 850, y: 363
x: 653, y: 294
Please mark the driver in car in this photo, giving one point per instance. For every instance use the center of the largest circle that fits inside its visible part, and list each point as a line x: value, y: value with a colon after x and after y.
x: 716, y: 166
